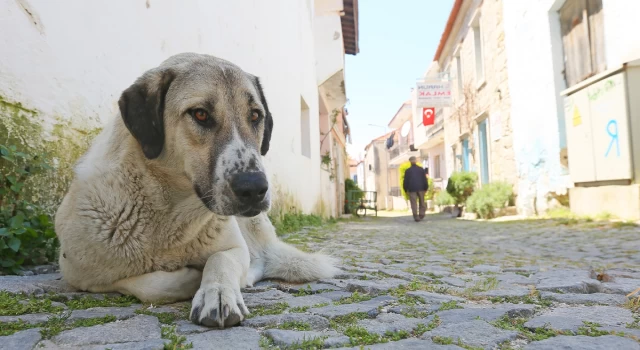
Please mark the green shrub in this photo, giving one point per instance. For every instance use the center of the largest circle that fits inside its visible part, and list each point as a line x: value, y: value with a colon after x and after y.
x: 430, y: 194
x: 461, y: 185
x: 350, y: 185
x: 294, y: 222
x: 27, y: 235
x: 443, y: 198
x: 401, y: 170
x: 353, y: 193
x: 489, y: 197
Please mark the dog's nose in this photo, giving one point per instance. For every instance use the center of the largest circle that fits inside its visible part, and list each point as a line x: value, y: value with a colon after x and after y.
x: 249, y: 187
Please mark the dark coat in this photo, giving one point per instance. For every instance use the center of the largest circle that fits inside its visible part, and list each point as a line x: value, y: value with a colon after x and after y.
x: 415, y: 180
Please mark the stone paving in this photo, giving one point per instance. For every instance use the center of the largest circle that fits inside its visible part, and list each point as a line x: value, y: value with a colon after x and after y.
x: 437, y: 284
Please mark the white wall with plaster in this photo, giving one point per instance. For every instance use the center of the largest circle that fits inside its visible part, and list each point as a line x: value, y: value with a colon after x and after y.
x: 71, y: 60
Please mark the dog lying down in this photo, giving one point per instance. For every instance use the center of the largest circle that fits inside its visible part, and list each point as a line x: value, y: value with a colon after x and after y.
x: 170, y: 201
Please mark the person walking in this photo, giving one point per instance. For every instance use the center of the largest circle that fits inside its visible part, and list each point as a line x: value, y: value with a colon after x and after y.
x: 415, y: 184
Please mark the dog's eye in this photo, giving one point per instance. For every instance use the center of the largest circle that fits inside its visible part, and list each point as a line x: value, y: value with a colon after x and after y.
x: 201, y: 116
x: 256, y: 117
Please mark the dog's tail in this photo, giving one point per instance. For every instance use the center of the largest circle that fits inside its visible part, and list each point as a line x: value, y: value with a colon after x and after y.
x: 284, y: 262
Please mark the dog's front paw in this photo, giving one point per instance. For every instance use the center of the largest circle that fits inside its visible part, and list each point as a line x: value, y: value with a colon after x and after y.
x: 218, y: 305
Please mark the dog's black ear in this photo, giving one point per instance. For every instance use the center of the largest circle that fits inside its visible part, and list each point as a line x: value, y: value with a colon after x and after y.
x: 268, y: 120
x: 142, y: 110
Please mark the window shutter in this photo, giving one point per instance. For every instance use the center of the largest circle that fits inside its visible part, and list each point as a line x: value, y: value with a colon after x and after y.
x: 575, y: 39
x: 596, y: 36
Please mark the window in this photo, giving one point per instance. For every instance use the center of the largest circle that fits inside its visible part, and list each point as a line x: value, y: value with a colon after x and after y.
x: 484, y: 152
x: 465, y: 155
x: 459, y: 75
x: 305, y: 129
x: 477, y: 41
x: 436, y: 167
x: 582, y: 39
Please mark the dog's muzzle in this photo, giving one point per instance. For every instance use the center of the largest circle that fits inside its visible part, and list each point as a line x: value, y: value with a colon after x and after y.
x: 250, y: 189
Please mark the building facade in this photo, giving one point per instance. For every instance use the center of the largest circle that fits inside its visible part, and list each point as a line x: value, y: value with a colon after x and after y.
x: 555, y: 49
x: 65, y: 65
x: 376, y: 171
x: 478, y: 134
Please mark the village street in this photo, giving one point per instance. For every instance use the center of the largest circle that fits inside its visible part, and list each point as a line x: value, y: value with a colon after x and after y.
x: 438, y: 284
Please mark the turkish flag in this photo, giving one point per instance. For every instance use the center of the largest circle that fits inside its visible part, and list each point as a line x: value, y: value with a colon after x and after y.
x: 428, y: 116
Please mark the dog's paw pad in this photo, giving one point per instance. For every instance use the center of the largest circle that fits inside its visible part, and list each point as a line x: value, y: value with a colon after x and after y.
x: 219, y: 306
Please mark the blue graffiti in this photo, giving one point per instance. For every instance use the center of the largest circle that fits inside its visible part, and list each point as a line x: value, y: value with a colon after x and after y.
x: 612, y: 130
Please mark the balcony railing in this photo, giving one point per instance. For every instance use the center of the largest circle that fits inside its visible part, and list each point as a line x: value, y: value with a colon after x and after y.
x: 398, y: 150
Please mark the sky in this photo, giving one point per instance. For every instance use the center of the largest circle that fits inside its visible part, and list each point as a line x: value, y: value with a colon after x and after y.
x: 397, y: 40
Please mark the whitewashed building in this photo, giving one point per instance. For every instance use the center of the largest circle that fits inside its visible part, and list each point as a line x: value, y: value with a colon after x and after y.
x: 64, y: 65
x: 557, y: 48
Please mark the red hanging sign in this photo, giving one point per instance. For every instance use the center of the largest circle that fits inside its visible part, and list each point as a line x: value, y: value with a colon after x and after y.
x: 428, y: 116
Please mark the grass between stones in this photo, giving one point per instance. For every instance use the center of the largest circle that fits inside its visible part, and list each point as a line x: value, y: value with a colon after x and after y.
x: 529, y: 299
x: 449, y: 341
x: 305, y: 344
x: 449, y: 305
x: 274, y: 309
x: 413, y: 312
x: 517, y: 324
x: 301, y: 309
x: 590, y: 329
x: 18, y: 304
x: 88, y: 301
x: 295, y: 326
x: 54, y: 325
x: 340, y: 323
x: 360, y: 336
x: 175, y: 341
x: 414, y: 271
x: 163, y: 317
x: 354, y: 298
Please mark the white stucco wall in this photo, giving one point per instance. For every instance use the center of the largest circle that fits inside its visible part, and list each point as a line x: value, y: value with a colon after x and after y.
x: 78, y: 57
x: 535, y: 63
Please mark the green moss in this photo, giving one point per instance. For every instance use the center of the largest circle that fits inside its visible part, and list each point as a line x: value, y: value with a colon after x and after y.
x: 354, y: 298
x: 590, y: 329
x: 18, y: 304
x: 299, y: 309
x: 163, y: 317
x: 307, y: 344
x: 295, y: 326
x: 93, y: 321
x: 360, y: 336
x: 175, y: 341
x: 413, y: 312
x: 63, y: 143
x: 535, y: 299
x: 442, y: 340
x: 88, y: 301
x: 449, y: 305
x: 54, y: 325
x: 342, y: 322
x: 274, y: 309
x: 8, y: 328
x: 517, y: 324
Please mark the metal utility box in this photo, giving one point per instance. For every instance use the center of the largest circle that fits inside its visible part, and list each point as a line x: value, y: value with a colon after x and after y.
x: 602, y: 116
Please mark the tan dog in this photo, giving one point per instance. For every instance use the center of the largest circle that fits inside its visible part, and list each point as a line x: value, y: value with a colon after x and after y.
x: 170, y: 200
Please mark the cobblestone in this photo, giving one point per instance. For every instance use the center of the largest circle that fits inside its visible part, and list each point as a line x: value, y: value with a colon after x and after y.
x: 441, y: 283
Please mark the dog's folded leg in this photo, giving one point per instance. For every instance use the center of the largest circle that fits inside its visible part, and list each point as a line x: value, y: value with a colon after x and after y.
x: 161, y: 286
x: 218, y: 302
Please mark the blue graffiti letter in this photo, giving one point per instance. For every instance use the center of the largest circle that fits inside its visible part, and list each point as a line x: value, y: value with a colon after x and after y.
x: 612, y: 130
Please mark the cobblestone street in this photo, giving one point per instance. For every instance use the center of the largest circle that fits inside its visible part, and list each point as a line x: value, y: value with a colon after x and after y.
x: 437, y: 284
